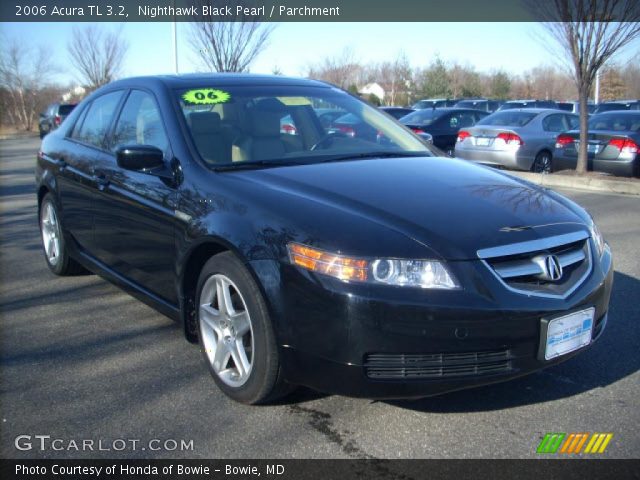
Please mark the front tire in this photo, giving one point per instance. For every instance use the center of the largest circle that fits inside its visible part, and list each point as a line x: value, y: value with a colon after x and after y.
x: 52, y: 233
x: 236, y: 333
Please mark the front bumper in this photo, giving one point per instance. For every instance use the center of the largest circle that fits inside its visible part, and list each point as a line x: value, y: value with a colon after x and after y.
x: 335, y: 337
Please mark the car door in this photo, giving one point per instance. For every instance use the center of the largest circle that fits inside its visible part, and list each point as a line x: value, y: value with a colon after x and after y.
x: 552, y: 126
x: 133, y: 222
x: 76, y: 181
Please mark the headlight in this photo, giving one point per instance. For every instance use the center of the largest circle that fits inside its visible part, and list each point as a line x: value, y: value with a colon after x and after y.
x: 598, y: 240
x: 387, y: 271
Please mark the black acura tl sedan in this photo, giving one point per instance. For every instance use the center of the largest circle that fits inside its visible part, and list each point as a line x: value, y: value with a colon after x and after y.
x: 365, y: 267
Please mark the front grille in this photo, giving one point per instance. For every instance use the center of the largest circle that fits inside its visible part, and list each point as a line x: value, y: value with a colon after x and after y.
x: 436, y: 365
x: 521, y: 267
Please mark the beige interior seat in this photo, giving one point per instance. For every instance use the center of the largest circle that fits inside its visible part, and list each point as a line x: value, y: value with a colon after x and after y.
x: 263, y: 140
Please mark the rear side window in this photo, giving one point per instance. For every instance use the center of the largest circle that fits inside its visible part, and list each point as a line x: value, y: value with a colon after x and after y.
x: 140, y: 123
x: 97, y: 120
x: 612, y: 121
x: 554, y: 123
x: 573, y: 121
x: 65, y: 109
x: 462, y: 120
x: 422, y: 117
x: 508, y: 119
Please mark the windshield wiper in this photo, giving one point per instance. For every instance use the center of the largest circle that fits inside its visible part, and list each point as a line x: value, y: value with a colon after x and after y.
x: 365, y: 155
x: 255, y: 164
x: 287, y: 163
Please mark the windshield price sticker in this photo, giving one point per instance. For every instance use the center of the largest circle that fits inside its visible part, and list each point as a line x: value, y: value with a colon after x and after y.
x: 205, y: 96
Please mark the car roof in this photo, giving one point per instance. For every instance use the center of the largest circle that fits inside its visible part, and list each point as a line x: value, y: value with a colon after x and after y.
x: 531, y: 100
x: 619, y: 112
x: 220, y: 79
x: 535, y: 110
x: 452, y: 109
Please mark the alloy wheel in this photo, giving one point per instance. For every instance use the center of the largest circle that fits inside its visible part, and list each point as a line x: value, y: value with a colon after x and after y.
x: 542, y: 163
x: 227, y: 332
x: 50, y: 228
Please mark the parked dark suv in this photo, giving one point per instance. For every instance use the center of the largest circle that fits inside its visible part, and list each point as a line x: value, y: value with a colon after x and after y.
x: 53, y: 116
x: 362, y: 266
x: 480, y: 104
x: 518, y: 104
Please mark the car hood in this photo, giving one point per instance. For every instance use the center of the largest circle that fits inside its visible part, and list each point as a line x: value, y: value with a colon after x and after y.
x: 451, y: 206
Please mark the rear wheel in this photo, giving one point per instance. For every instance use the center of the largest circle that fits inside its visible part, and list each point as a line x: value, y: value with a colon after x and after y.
x: 236, y: 334
x: 542, y: 163
x: 55, y: 249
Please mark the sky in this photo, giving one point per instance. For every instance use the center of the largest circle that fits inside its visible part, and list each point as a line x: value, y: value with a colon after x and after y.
x: 513, y: 47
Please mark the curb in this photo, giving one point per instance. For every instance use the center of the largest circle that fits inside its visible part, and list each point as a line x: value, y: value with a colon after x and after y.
x: 18, y: 136
x: 604, y: 185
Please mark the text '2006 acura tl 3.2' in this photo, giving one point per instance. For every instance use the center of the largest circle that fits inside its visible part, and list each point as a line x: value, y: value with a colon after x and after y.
x: 360, y: 266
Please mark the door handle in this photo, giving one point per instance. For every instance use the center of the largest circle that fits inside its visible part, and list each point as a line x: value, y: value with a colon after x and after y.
x: 102, y: 181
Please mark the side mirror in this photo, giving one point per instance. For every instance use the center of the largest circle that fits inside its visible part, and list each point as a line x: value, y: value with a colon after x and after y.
x: 42, y: 115
x: 141, y: 158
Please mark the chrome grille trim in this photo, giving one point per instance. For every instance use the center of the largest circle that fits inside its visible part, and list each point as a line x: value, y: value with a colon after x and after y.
x: 510, y: 270
x: 520, y: 268
x: 532, y: 245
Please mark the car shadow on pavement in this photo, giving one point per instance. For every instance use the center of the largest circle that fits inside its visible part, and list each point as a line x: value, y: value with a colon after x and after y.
x: 612, y: 358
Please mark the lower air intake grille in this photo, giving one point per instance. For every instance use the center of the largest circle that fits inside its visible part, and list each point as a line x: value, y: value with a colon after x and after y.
x: 437, y: 365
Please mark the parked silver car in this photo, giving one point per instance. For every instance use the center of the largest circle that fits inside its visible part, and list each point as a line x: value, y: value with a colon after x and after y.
x: 518, y: 139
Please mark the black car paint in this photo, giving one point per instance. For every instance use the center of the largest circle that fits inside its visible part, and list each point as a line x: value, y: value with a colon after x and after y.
x: 397, y: 112
x: 444, y: 135
x: 150, y: 234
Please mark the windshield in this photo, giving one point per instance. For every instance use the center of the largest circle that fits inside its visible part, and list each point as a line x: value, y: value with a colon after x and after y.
x: 65, y: 109
x: 470, y: 104
x: 508, y: 119
x: 615, y: 122
x: 232, y: 126
x: 422, y: 117
x: 607, y: 107
x: 513, y: 105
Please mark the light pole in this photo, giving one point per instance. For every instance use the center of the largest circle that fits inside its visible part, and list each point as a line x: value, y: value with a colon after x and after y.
x: 174, y: 31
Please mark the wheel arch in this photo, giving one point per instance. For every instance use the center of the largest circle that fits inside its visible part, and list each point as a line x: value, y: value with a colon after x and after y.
x: 544, y: 148
x: 42, y: 191
x: 192, y: 265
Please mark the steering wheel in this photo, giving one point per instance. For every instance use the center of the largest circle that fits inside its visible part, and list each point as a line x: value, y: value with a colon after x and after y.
x: 329, y: 136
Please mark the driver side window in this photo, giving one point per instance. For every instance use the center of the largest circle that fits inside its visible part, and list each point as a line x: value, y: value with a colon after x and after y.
x: 140, y: 123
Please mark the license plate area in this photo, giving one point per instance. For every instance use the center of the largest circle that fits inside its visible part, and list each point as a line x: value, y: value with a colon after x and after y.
x: 483, y: 141
x: 565, y: 334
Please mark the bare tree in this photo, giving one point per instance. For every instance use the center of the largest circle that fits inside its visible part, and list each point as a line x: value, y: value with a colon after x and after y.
x: 395, y: 77
x: 97, y: 54
x: 229, y: 46
x: 342, y: 70
x: 25, y: 78
x: 589, y: 33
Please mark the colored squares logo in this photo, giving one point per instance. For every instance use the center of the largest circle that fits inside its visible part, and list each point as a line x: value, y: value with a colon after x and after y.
x: 574, y: 443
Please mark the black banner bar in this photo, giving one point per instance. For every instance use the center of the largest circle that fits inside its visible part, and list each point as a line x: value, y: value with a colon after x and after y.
x: 274, y: 10
x: 542, y: 469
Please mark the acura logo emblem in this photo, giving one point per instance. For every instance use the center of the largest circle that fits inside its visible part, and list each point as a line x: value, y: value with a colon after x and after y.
x: 551, y: 267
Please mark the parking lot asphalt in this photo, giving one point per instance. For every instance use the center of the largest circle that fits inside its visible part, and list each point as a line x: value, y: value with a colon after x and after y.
x: 81, y: 360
